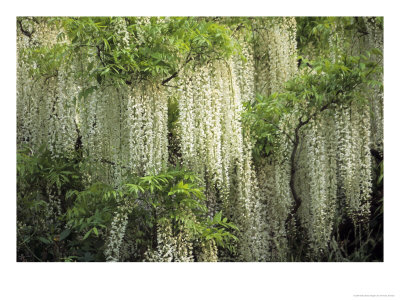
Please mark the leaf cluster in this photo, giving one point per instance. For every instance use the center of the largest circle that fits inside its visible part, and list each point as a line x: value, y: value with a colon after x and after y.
x: 41, y: 176
x: 176, y: 197
x: 152, y: 50
x: 320, y: 85
x: 79, y: 231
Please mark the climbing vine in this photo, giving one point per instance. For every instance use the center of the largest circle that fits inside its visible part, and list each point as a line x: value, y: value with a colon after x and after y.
x: 198, y: 138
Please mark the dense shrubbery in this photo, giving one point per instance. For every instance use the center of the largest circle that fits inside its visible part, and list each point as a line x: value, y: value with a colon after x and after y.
x: 60, y: 220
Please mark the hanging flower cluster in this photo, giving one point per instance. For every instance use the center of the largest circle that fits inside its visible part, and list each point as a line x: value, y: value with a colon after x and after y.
x: 129, y: 128
x: 374, y: 39
x: 334, y: 174
x: 281, y: 204
x: 276, y: 47
x: 213, y: 142
x: 117, y: 232
x: 317, y: 167
x: 355, y: 160
x: 42, y: 114
x: 172, y: 248
x: 120, y: 128
x: 123, y: 38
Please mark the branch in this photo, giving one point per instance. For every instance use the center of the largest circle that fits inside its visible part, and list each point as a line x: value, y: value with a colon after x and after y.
x: 78, y: 141
x: 302, y: 123
x: 175, y: 74
x: 169, y: 78
x: 277, y: 127
x: 296, y: 197
x: 25, y: 32
x: 109, y: 162
x: 375, y: 153
x: 324, y: 107
x: 173, y: 86
x: 99, y: 56
x: 51, y: 76
x: 240, y: 26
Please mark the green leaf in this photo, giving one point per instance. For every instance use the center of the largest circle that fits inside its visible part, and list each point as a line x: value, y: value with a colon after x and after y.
x: 380, y: 179
x: 87, y: 234
x: 217, y: 217
x: 376, y: 51
x: 44, y: 240
x: 95, y: 231
x: 65, y: 234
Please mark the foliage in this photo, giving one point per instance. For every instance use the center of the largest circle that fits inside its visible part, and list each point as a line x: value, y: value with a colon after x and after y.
x: 316, y: 32
x: 176, y: 197
x: 79, y: 229
x: 42, y: 182
x: 129, y: 49
x: 321, y: 84
x: 293, y: 128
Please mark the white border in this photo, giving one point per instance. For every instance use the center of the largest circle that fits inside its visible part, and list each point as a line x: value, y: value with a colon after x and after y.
x: 200, y: 280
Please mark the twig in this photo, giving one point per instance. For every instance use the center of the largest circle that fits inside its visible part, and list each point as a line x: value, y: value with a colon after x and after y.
x: 277, y: 127
x: 175, y: 74
x: 25, y: 32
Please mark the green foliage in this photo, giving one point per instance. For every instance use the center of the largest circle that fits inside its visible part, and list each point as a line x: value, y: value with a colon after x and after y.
x: 40, y: 177
x: 219, y: 229
x: 176, y: 197
x: 380, y: 175
x: 128, y: 49
x: 337, y: 75
x: 79, y: 230
x: 319, y: 34
x: 263, y: 117
x: 92, y: 208
x: 320, y: 84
